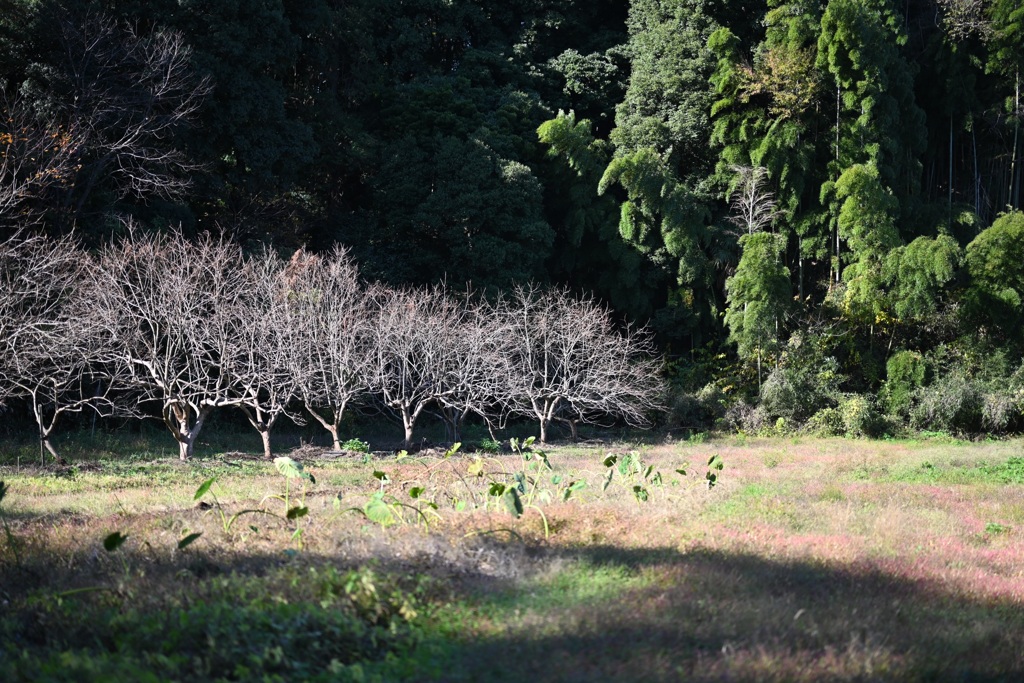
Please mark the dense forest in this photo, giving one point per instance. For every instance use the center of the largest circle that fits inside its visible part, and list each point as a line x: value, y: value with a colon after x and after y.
x: 815, y: 206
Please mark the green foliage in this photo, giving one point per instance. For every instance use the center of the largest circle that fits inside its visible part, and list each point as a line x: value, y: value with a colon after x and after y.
x: 995, y: 262
x: 919, y: 273
x: 859, y: 417
x: 355, y: 446
x: 759, y: 295
x: 905, y: 372
x: 804, y: 383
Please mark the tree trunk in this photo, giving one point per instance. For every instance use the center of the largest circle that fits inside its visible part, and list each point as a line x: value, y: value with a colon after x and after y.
x: 333, y: 429
x: 408, y: 421
x: 543, y: 430
x: 265, y: 435
x: 45, y: 442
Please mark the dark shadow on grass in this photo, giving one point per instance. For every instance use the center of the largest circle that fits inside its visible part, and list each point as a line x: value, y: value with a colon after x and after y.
x: 663, y: 615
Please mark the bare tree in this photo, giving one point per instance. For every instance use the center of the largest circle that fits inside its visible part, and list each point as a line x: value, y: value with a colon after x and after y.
x: 169, y: 311
x: 569, y: 364
x: 129, y: 94
x: 48, y: 340
x: 34, y: 158
x: 753, y: 205
x: 259, y: 360
x: 414, y: 350
x: 326, y: 319
x: 477, y: 379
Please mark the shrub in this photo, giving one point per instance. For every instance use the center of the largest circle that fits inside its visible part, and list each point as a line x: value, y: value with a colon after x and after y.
x: 904, y: 375
x: 825, y: 422
x: 859, y: 417
x: 953, y: 403
x: 356, y: 446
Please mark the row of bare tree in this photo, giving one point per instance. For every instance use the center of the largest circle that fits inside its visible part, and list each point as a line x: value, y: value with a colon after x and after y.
x: 158, y: 321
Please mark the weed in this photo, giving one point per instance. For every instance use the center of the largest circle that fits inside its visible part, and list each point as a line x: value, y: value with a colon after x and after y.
x: 356, y: 446
x: 489, y: 445
x: 995, y: 528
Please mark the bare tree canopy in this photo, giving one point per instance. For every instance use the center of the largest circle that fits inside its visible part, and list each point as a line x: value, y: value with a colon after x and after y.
x: 568, y: 363
x: 327, y: 325
x: 170, y: 311
x: 416, y: 336
x: 753, y: 206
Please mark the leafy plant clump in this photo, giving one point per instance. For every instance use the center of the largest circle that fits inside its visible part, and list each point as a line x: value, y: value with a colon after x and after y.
x: 355, y: 446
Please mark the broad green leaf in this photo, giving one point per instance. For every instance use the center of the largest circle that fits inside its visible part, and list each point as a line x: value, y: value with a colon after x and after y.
x: 382, y: 476
x: 681, y: 471
x: 189, y: 540
x: 529, y: 441
x: 607, y: 478
x: 512, y: 502
x: 610, y: 460
x: 288, y: 467
x: 416, y: 492
x: 114, y: 541
x: 496, y: 489
x: 640, y: 493
x: 453, y: 450
x: 204, y: 488
x: 377, y: 510
x: 297, y: 512
x: 476, y: 468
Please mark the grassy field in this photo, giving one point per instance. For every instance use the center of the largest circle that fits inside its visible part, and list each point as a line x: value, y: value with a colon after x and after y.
x: 816, y: 560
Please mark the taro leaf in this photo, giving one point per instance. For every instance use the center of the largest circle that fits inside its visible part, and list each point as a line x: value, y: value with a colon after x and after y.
x: 682, y: 471
x: 572, y: 488
x: 715, y: 462
x: 520, y: 478
x: 382, y: 476
x: 432, y: 505
x: 476, y: 468
x: 297, y: 512
x: 402, y: 455
x: 529, y: 441
x: 496, y: 489
x: 610, y: 460
x: 607, y: 478
x: 640, y: 493
x: 3, y: 490
x: 204, y: 488
x: 416, y: 491
x: 512, y: 502
x: 288, y: 467
x: 712, y: 479
x: 656, y: 479
x: 453, y: 450
x: 189, y: 540
x: 114, y: 541
x: 312, y: 479
x: 255, y: 529
x: 543, y: 457
x: 556, y: 479
x: 650, y: 468
x: 379, y: 511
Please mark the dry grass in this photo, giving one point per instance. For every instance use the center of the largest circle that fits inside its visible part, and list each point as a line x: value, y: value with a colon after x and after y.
x: 809, y: 560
